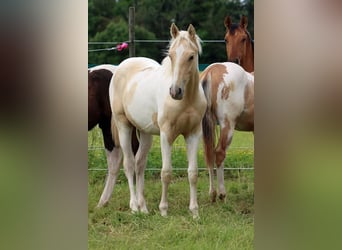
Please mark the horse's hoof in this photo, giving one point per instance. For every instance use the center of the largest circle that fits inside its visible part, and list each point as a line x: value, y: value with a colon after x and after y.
x: 134, y: 210
x: 163, y: 213
x: 213, y: 196
x: 222, y: 197
x: 195, y: 215
x: 101, y: 205
x: 144, y: 210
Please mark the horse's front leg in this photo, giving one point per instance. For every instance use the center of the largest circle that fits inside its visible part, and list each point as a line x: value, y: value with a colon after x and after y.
x: 166, y: 172
x: 192, y: 147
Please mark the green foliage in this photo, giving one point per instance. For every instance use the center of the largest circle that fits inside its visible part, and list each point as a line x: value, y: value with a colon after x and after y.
x: 153, y: 19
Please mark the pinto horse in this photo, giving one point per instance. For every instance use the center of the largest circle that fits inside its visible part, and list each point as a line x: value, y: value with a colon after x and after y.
x: 99, y: 113
x: 160, y: 99
x: 230, y: 96
x: 239, y: 44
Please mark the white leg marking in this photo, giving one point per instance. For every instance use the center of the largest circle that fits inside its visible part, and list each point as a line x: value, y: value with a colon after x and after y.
x: 220, y: 169
x: 166, y: 172
x: 212, y: 189
x: 220, y: 181
x: 140, y: 165
x: 114, y: 160
x: 191, y: 148
x: 125, y: 135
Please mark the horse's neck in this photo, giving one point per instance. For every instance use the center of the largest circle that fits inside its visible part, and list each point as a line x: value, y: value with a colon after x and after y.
x: 247, y: 61
x: 191, y: 90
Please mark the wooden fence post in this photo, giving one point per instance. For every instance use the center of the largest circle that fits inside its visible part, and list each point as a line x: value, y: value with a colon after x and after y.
x: 131, y: 32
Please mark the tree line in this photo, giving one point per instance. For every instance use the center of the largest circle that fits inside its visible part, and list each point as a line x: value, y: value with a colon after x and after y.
x: 108, y: 22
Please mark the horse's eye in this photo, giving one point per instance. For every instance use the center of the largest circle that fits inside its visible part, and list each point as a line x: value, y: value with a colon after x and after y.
x: 243, y: 40
x: 191, y: 58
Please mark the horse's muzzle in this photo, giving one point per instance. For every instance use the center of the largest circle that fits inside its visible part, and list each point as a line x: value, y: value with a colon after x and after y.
x: 176, y: 93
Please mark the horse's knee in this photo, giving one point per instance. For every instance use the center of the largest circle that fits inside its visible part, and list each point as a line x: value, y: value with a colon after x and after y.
x: 193, y: 175
x: 166, y: 176
x: 129, y: 166
x: 140, y: 166
x: 220, y: 156
x: 140, y: 169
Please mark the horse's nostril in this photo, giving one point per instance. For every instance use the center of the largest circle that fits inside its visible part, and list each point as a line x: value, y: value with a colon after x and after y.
x: 179, y: 91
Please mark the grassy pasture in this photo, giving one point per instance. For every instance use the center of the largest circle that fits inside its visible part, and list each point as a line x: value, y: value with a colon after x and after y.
x: 225, y: 224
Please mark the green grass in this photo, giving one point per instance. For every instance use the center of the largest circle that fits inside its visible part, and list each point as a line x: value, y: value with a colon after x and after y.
x: 222, y: 225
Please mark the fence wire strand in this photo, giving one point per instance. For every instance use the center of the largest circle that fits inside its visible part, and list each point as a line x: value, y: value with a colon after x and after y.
x: 139, y: 41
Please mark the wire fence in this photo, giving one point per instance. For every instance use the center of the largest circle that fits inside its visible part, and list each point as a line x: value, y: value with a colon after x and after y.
x: 101, y: 46
x: 240, y: 155
x: 139, y: 41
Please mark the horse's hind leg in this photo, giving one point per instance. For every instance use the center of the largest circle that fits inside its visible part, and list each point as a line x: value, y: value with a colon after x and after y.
x: 140, y: 165
x: 212, y: 189
x: 114, y: 160
x: 220, y: 182
x: 226, y: 135
x: 125, y: 136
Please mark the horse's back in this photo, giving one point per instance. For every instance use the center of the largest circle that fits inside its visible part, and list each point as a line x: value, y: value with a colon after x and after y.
x: 134, y: 65
x: 135, y: 68
x: 109, y: 67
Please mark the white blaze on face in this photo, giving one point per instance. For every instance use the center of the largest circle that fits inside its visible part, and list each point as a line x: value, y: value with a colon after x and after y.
x: 179, y: 52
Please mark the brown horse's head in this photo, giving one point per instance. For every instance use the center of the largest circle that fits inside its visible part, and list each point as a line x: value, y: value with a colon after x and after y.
x: 239, y: 45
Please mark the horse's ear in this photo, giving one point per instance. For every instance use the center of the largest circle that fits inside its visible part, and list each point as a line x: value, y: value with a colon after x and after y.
x: 244, y: 22
x: 228, y: 22
x: 192, y: 31
x: 174, y: 30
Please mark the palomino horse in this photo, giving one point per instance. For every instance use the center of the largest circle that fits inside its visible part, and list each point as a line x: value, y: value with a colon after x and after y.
x: 99, y: 113
x: 239, y: 44
x: 165, y: 100
x: 230, y: 94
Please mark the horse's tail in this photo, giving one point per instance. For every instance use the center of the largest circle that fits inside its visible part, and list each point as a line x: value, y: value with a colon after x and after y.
x: 208, y: 124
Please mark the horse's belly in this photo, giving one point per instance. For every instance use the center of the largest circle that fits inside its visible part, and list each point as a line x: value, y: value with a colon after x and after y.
x: 145, y: 125
x: 143, y: 117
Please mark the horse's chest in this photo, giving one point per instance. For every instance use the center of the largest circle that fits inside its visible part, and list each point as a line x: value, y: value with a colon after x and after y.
x: 183, y: 121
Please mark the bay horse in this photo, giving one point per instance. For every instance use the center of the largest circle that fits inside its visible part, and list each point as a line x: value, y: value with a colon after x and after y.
x: 239, y: 44
x: 160, y: 99
x: 99, y: 113
x: 229, y: 90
